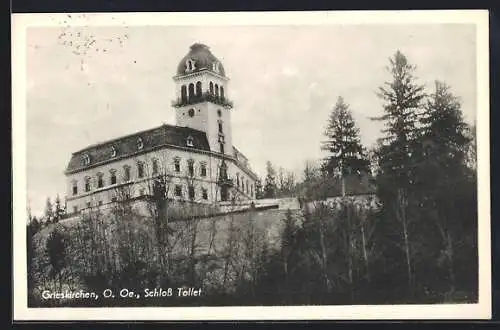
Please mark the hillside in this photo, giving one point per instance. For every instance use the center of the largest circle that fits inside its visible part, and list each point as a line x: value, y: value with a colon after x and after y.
x: 100, y: 251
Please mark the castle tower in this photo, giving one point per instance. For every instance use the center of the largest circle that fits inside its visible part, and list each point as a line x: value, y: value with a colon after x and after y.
x: 202, y: 99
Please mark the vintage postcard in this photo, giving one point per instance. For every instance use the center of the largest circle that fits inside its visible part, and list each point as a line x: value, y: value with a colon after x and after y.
x: 251, y: 166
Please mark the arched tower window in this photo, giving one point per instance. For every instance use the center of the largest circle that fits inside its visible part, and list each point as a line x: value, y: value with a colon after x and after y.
x: 198, y: 89
x: 211, y: 88
x: 216, y: 90
x: 184, y: 96
x: 191, y: 91
x: 221, y: 92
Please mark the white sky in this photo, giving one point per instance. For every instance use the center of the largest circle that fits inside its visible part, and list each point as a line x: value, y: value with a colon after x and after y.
x: 284, y: 82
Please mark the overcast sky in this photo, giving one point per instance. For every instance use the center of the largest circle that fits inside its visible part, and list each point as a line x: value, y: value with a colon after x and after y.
x: 283, y: 82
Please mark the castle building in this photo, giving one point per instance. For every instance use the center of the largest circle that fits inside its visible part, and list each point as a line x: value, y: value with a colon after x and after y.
x: 195, y: 159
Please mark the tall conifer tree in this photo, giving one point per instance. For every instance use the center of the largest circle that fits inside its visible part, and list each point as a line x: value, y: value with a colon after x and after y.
x: 403, y: 98
x: 396, y: 154
x: 270, y: 185
x: 346, y: 153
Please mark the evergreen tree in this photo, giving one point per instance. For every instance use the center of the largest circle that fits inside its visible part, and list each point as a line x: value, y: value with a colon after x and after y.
x: 270, y: 186
x: 444, y: 126
x: 259, y: 194
x: 347, y: 154
x: 56, y: 252
x: 443, y: 176
x: 402, y: 110
x: 59, y: 210
x: 34, y: 226
x: 49, y: 212
x: 396, y: 154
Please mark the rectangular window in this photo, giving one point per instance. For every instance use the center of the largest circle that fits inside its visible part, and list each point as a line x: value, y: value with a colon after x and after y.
x: 191, y: 168
x: 113, y: 199
x: 75, y: 189
x: 100, y: 203
x: 141, y: 192
x: 221, y: 148
x: 87, y: 184
x: 178, y: 190
x: 126, y: 174
x: 100, y: 181
x: 140, y: 170
x: 88, y: 204
x: 203, y: 170
x: 220, y: 127
x: 113, y: 177
x: 75, y: 209
x: 177, y: 165
x: 191, y: 192
x: 155, y: 166
x: 204, y: 193
x: 223, y: 193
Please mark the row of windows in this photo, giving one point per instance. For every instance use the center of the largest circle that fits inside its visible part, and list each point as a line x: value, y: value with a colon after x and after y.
x: 243, y: 185
x: 246, y: 188
x: 191, y: 66
x: 178, y: 191
x: 191, y: 192
x: 140, y: 146
x: 141, y: 172
x: 192, y: 90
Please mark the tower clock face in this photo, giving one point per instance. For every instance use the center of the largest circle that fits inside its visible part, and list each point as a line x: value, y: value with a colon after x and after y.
x: 191, y: 112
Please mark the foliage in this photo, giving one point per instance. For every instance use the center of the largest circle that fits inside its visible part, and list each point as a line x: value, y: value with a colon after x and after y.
x: 270, y: 186
x: 413, y: 241
x: 346, y: 153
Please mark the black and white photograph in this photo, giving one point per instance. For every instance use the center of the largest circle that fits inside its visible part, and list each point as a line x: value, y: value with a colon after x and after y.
x: 251, y: 165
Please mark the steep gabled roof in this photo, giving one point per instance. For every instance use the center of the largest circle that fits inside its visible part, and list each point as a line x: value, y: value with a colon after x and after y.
x: 127, y: 146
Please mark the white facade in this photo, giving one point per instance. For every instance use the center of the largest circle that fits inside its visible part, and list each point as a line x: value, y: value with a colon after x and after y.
x: 99, y: 182
x: 243, y: 180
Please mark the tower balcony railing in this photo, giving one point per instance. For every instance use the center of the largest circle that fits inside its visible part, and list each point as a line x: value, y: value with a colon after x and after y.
x: 220, y: 100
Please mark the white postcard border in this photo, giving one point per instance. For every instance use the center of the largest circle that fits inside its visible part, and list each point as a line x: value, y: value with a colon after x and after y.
x: 20, y: 23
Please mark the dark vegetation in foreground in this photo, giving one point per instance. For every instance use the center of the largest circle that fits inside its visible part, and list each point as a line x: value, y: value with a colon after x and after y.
x: 413, y: 242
